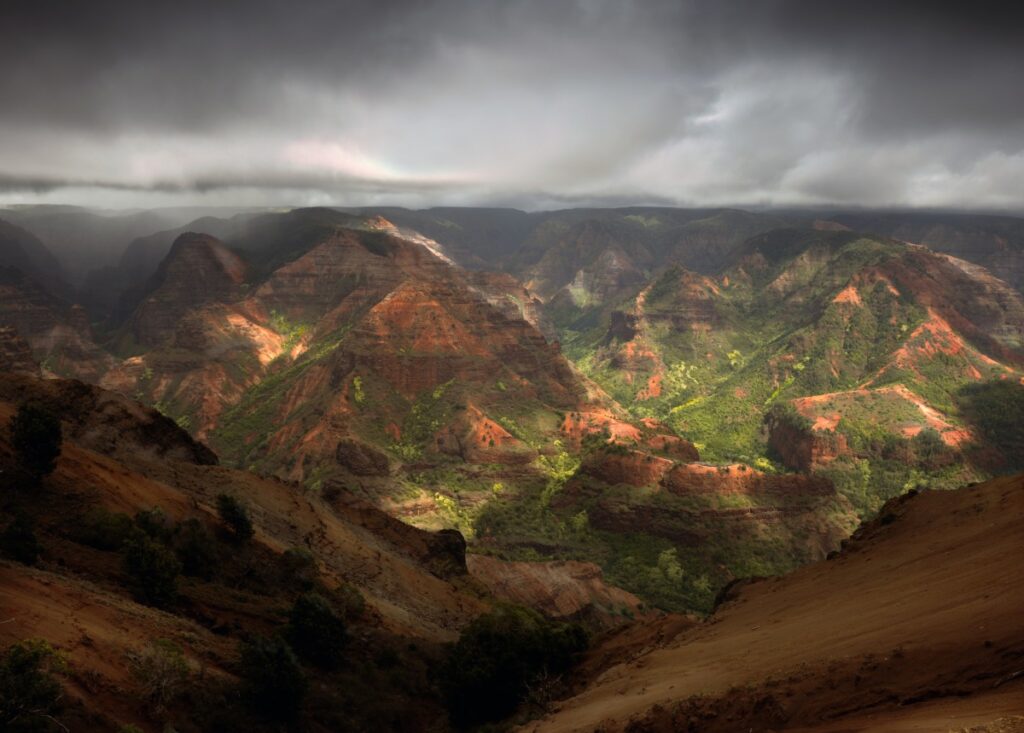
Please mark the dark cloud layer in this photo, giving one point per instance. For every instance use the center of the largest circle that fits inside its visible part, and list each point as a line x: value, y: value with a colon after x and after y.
x: 530, y: 103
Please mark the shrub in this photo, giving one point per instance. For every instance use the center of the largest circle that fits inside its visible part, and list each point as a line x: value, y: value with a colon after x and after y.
x: 931, y: 450
x: 350, y: 601
x: 18, y: 542
x: 275, y: 684
x: 490, y: 670
x: 196, y: 549
x: 299, y: 568
x: 36, y: 436
x: 103, y: 530
x: 234, y: 514
x: 996, y: 410
x: 162, y: 671
x: 154, y: 523
x: 29, y: 691
x: 316, y: 631
x: 152, y: 568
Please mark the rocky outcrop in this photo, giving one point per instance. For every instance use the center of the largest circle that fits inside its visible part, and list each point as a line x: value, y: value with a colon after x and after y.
x: 672, y: 446
x: 684, y: 301
x: 475, y: 438
x: 508, y: 295
x: 107, y: 422
x: 15, y: 354
x: 618, y: 465
x: 446, y: 554
x: 360, y: 459
x: 709, y: 480
x: 57, y: 333
x: 562, y: 590
x: 446, y: 332
x: 980, y: 308
x: 803, y: 448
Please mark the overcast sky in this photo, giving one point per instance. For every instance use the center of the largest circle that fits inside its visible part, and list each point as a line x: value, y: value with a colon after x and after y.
x: 533, y: 104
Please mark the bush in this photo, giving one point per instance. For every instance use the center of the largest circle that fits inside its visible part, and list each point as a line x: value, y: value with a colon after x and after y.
x: 316, y: 631
x: 350, y: 601
x: 154, y: 523
x: 29, y: 692
x: 275, y: 684
x: 152, y: 568
x: 489, y: 671
x: 299, y: 569
x: 931, y: 451
x: 18, y: 542
x: 996, y: 410
x: 36, y: 436
x: 103, y: 530
x: 234, y: 514
x: 196, y: 549
x: 162, y: 671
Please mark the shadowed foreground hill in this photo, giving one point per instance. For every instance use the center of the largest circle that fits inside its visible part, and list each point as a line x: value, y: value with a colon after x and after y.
x: 130, y: 489
x: 916, y: 625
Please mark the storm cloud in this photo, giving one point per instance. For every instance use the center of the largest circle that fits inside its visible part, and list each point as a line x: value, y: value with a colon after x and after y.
x: 534, y: 104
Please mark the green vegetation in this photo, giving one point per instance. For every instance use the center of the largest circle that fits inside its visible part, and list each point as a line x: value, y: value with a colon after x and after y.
x: 195, y: 548
x: 36, y: 437
x: 779, y: 332
x: 502, y: 655
x: 292, y: 332
x: 152, y: 569
x: 162, y: 672
x: 996, y: 410
x: 316, y: 631
x: 659, y: 576
x: 427, y: 415
x: 236, y: 517
x: 30, y: 693
x: 246, y: 427
x: 299, y: 566
x: 18, y: 541
x: 275, y: 684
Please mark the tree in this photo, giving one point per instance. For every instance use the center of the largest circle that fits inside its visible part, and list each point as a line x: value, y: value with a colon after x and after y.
x: 298, y: 568
x: 18, y: 541
x: 316, y: 631
x: 102, y: 529
x: 196, y: 549
x: 275, y: 684
x: 154, y: 523
x: 152, y: 568
x: 234, y: 514
x: 36, y: 436
x: 29, y: 692
x: 489, y: 671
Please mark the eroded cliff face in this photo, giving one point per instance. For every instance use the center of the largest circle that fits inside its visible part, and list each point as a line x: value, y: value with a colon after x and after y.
x: 198, y: 270
x: 976, y: 306
x: 58, y: 334
x: 560, y: 589
x: 407, y: 588
x: 803, y: 449
x: 15, y: 353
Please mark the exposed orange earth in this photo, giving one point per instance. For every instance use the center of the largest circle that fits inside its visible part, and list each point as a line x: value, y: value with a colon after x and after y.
x: 916, y: 625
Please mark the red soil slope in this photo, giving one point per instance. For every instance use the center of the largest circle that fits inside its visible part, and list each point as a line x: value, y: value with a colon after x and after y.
x: 916, y: 626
